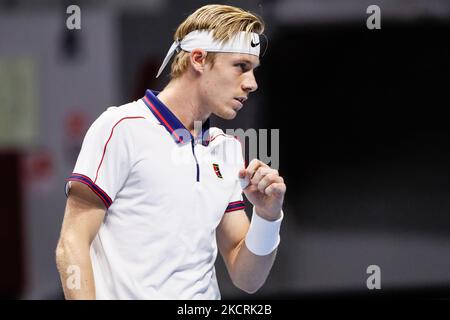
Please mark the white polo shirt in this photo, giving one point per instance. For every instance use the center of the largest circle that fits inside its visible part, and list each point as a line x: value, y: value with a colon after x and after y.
x: 166, y: 193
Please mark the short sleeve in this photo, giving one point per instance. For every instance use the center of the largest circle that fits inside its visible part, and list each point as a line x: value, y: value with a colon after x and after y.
x: 237, y: 201
x: 105, y: 158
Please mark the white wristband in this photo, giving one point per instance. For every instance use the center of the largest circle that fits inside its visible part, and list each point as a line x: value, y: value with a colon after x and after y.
x: 263, y: 236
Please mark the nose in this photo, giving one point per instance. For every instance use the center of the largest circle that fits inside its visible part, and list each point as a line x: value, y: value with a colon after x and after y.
x: 249, y: 84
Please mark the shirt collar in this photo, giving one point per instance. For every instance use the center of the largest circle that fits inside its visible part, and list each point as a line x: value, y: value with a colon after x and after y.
x: 171, y: 122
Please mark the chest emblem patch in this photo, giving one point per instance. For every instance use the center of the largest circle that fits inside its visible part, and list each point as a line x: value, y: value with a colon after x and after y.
x: 217, y: 170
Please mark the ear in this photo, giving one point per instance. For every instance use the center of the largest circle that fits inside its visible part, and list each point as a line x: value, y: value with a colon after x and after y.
x: 198, y: 59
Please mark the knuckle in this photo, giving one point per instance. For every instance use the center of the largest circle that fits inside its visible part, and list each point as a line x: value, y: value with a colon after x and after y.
x: 274, y: 176
x: 261, y: 187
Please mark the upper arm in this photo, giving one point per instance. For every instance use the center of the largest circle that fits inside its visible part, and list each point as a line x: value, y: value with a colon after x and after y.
x: 83, y: 215
x: 231, y: 233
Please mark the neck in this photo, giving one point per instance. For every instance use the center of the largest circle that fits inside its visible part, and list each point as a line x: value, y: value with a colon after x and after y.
x: 182, y: 99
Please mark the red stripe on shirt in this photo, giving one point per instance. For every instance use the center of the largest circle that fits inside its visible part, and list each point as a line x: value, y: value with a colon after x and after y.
x: 106, y: 144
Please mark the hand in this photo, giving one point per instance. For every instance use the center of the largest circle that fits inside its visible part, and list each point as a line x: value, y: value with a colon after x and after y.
x: 265, y: 189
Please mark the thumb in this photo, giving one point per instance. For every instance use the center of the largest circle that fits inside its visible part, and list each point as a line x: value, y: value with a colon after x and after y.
x: 243, y: 179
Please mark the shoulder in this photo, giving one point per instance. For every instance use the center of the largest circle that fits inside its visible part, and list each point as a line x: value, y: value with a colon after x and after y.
x: 115, y: 114
x: 226, y: 145
x: 217, y: 136
x: 118, y: 116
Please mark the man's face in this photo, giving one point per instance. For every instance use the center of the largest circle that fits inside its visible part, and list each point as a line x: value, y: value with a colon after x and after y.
x: 226, y: 86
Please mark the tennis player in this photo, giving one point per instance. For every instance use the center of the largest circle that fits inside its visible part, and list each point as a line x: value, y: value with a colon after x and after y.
x: 153, y: 197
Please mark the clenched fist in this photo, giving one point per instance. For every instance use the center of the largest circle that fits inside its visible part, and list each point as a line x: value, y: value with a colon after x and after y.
x: 264, y: 188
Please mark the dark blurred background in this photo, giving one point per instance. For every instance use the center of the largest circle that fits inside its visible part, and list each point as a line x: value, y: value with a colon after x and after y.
x: 364, y: 139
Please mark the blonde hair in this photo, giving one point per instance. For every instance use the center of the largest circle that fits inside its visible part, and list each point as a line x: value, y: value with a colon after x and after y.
x: 225, y: 21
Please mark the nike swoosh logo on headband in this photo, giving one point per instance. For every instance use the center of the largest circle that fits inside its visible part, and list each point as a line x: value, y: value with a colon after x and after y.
x: 254, y: 44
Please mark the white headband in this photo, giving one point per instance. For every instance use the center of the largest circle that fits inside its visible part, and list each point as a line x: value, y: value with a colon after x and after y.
x: 242, y: 42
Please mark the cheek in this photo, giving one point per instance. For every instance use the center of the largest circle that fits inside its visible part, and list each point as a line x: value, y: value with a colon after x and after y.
x: 213, y: 88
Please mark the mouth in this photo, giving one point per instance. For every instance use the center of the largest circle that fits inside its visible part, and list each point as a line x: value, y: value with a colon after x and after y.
x: 241, y: 101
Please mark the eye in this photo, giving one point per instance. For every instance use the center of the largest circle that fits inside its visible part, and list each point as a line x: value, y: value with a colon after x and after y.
x: 242, y: 66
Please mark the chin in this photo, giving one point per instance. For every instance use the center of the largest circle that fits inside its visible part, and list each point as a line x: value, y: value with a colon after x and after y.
x: 230, y: 116
x: 227, y: 115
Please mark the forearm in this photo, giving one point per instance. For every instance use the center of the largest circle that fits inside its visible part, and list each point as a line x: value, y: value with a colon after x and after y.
x: 75, y: 270
x: 256, y: 253
x: 250, y: 271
